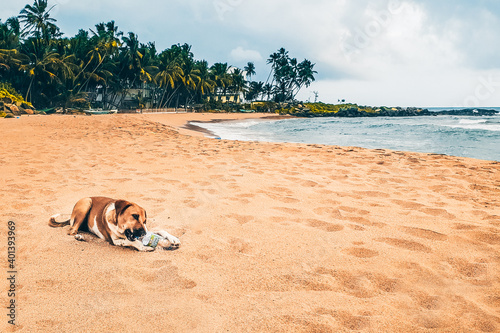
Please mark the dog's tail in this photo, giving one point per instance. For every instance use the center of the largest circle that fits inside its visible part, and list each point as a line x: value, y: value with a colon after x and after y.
x: 54, y: 224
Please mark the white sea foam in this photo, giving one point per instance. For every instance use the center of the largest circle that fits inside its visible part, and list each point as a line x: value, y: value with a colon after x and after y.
x: 473, y: 121
x: 234, y: 130
x: 484, y: 124
x: 483, y: 127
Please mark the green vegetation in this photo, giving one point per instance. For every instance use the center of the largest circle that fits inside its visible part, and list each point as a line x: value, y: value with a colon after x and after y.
x: 105, y: 68
x: 11, y: 102
x: 347, y: 110
x: 321, y: 108
x: 10, y: 95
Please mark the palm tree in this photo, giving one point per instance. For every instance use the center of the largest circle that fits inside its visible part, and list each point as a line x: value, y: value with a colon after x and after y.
x: 10, y: 58
x: 4, y: 63
x: 289, y: 76
x: 130, y: 59
x: 169, y: 73
x: 276, y: 60
x: 148, y: 62
x: 254, y: 90
x: 250, y: 70
x: 220, y: 76
x: 10, y: 33
x: 191, y: 80
x: 305, y: 71
x: 37, y: 21
x: 205, y: 84
x: 267, y: 90
x: 96, y: 55
x: 44, y: 68
x: 238, y: 82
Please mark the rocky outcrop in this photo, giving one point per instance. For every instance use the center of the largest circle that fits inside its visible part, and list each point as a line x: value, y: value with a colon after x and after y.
x: 468, y: 112
x: 396, y: 112
x: 9, y: 109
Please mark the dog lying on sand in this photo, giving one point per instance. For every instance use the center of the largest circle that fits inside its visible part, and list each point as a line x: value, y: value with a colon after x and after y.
x: 120, y: 222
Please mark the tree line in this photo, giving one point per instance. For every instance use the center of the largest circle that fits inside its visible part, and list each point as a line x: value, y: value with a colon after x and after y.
x: 100, y: 67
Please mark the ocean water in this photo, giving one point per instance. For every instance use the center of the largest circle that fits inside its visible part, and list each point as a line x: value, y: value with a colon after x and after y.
x: 476, y: 137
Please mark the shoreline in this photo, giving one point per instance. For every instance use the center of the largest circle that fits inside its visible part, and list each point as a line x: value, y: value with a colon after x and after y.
x: 182, y: 122
x: 196, y: 127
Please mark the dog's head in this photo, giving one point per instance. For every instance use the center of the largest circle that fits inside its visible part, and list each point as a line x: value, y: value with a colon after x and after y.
x: 131, y: 219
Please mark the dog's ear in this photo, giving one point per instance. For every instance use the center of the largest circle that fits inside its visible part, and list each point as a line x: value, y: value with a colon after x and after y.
x: 121, y: 206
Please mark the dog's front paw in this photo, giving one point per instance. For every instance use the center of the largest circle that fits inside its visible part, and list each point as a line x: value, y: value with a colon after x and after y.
x: 72, y: 231
x: 170, y: 242
x: 175, y: 243
x: 80, y: 237
x: 146, y: 248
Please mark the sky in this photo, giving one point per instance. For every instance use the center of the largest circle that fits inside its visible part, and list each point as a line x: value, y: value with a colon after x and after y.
x: 422, y: 53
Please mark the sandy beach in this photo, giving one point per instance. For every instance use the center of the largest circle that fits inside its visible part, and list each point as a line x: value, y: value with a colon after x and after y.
x: 275, y: 237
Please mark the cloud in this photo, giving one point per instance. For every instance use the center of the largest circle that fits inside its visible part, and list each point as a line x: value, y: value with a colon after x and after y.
x: 372, y: 51
x: 240, y: 54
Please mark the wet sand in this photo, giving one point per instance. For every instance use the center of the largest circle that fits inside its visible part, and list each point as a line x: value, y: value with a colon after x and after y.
x: 275, y: 237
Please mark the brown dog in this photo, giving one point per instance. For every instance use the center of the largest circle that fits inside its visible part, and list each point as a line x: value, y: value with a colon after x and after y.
x: 119, y: 222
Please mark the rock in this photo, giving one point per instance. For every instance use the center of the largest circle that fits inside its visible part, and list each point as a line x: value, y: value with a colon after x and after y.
x: 25, y: 111
x: 468, y: 112
x: 28, y: 111
x: 12, y: 108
